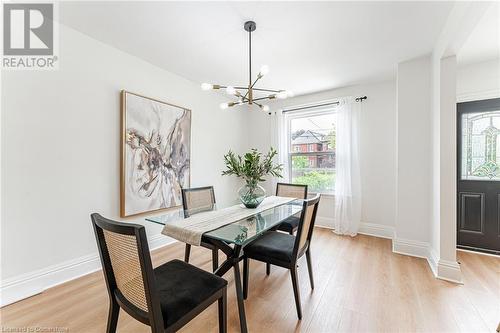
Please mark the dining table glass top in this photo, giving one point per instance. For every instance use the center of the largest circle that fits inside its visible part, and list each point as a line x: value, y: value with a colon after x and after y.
x: 242, y: 231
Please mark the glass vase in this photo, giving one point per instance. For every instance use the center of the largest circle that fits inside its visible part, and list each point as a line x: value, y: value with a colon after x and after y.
x: 251, y: 195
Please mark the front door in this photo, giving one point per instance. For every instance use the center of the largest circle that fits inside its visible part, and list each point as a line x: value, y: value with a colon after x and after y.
x: 478, y: 216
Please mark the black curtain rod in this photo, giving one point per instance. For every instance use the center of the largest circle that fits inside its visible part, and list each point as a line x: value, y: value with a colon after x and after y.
x: 357, y: 99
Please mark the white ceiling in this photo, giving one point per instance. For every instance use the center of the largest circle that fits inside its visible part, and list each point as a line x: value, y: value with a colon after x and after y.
x: 484, y: 42
x: 309, y: 46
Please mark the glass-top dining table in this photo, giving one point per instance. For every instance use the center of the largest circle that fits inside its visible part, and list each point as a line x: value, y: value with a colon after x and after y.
x: 232, y: 238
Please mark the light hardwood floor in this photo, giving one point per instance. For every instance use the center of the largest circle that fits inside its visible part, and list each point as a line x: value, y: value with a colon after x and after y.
x: 361, y: 286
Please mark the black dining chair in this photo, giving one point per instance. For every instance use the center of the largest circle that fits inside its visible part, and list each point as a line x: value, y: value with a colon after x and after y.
x: 291, y: 224
x: 196, y: 200
x: 284, y: 250
x: 166, y: 297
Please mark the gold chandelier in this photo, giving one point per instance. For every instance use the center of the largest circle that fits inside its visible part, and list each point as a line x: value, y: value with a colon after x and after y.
x: 248, y: 95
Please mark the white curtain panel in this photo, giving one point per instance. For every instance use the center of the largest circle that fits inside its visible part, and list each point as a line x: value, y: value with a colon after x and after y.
x: 348, y: 182
x: 279, y: 142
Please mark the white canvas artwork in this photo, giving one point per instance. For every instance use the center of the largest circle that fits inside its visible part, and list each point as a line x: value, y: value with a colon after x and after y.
x: 156, y: 154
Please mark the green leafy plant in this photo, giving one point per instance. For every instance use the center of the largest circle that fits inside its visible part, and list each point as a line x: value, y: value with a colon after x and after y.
x: 300, y: 162
x: 317, y: 181
x: 252, y: 167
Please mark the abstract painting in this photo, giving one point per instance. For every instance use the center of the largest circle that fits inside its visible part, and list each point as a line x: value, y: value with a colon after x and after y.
x: 156, y: 142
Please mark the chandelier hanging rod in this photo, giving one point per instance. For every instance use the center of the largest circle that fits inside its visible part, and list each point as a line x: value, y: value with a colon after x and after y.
x: 250, y: 26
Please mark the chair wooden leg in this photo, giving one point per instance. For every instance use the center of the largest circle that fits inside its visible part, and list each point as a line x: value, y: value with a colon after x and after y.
x: 293, y: 274
x: 246, y: 272
x: 223, y: 312
x: 187, y: 251
x: 215, y: 259
x: 268, y: 268
x: 309, y: 268
x: 114, y: 311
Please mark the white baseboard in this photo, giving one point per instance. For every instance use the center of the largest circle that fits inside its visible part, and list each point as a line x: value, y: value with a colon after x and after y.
x: 442, y: 269
x: 377, y: 230
x: 26, y: 285
x: 23, y: 286
x: 324, y: 222
x: 159, y: 240
x: 410, y: 247
x: 417, y: 249
x: 365, y: 228
x: 449, y: 271
x: 433, y: 259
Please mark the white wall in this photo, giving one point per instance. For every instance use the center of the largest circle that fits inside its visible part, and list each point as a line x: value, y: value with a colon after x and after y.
x: 434, y: 251
x: 61, y: 143
x: 413, y: 150
x: 377, y: 148
x: 478, y: 81
x: 447, y: 264
x: 442, y: 239
x: 426, y: 217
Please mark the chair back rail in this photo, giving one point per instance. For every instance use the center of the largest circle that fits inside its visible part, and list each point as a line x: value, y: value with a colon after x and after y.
x: 291, y: 190
x: 306, y: 225
x: 197, y: 200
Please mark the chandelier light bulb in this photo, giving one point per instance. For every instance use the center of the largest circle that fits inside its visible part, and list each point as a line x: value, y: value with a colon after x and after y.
x: 264, y: 70
x: 265, y: 108
x: 230, y: 90
x: 224, y: 106
x: 282, y: 94
x: 206, y: 86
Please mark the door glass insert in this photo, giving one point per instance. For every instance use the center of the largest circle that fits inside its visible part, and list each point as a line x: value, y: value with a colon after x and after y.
x: 481, y: 146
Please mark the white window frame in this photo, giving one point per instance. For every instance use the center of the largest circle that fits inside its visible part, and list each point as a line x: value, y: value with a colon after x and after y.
x: 291, y: 115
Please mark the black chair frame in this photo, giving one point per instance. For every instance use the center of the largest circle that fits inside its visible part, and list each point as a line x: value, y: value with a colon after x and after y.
x: 153, y: 317
x: 296, y: 255
x: 187, y: 250
x: 280, y: 227
x: 289, y: 184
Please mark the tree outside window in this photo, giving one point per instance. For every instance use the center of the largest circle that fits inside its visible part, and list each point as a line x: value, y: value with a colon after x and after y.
x: 312, y: 151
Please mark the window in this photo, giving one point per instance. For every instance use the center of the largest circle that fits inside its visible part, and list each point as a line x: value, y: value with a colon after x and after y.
x: 311, y: 149
x: 481, y: 146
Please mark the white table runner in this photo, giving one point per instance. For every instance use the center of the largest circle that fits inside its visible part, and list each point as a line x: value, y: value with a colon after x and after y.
x: 191, y: 229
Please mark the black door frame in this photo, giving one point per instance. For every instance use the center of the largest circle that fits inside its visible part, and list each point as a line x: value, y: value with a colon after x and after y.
x: 463, y: 108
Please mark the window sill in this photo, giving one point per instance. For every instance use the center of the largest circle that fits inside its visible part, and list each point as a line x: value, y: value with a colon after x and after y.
x: 327, y: 195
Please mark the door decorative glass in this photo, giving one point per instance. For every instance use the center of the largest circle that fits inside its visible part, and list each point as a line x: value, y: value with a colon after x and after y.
x: 481, y: 146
